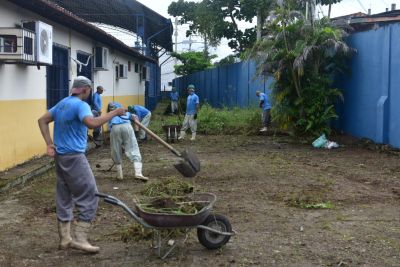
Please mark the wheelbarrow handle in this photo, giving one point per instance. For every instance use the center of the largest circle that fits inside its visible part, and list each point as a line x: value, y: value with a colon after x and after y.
x: 107, y: 198
x: 173, y: 150
x: 101, y: 195
x: 111, y: 201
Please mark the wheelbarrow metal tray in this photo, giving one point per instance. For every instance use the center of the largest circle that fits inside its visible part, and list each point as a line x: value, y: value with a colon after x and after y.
x: 162, y: 220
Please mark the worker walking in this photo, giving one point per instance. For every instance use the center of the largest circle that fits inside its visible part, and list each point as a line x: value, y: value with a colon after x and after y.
x: 266, y: 110
x: 174, y: 96
x: 76, y: 185
x: 123, y: 136
x: 144, y: 116
x: 96, y: 110
x: 192, y: 108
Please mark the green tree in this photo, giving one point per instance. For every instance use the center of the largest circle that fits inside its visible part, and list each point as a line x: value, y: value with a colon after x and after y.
x: 228, y: 60
x: 192, y: 62
x: 217, y: 19
x: 302, y: 58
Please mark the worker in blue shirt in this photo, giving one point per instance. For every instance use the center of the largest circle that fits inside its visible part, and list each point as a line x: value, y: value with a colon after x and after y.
x: 144, y: 116
x: 192, y: 108
x: 122, y: 135
x: 174, y: 96
x: 75, y: 184
x: 265, y: 104
x: 96, y: 109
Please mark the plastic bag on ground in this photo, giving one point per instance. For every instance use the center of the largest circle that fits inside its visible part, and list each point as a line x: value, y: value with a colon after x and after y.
x: 320, y: 141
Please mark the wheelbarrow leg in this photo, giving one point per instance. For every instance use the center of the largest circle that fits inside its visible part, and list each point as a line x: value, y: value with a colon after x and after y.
x: 159, y: 240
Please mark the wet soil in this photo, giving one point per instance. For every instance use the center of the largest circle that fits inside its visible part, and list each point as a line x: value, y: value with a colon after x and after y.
x: 269, y: 187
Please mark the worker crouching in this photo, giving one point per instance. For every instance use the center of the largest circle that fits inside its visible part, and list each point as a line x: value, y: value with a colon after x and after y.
x: 123, y: 136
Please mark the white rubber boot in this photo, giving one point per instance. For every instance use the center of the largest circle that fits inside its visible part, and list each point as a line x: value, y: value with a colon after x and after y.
x: 120, y: 174
x: 193, y: 137
x: 138, y: 171
x: 81, y: 238
x: 182, y: 135
x: 64, y: 231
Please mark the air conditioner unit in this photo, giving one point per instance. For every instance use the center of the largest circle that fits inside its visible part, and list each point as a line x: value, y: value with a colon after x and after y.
x: 44, y: 43
x: 17, y: 45
x: 123, y: 71
x: 101, y: 55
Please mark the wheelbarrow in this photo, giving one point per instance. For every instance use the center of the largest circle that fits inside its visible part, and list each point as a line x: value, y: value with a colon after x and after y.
x: 172, y: 132
x: 213, y: 230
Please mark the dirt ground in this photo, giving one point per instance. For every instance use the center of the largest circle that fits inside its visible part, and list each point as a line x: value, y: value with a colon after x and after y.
x: 265, y: 185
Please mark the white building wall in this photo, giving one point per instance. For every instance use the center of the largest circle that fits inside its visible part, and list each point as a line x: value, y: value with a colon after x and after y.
x: 23, y: 88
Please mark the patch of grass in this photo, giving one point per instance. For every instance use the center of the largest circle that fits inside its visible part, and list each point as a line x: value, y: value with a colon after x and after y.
x: 158, y: 121
x: 242, y: 121
x: 309, y: 199
x: 326, y: 226
x: 230, y: 121
x: 322, y: 205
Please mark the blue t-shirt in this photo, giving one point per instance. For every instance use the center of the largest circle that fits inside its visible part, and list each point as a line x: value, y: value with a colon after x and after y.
x: 267, y: 104
x: 192, y: 102
x: 70, y: 133
x: 141, y: 112
x: 174, y: 96
x: 120, y: 119
x: 97, y: 104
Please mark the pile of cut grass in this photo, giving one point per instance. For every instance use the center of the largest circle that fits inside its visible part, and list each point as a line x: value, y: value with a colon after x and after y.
x: 167, y: 188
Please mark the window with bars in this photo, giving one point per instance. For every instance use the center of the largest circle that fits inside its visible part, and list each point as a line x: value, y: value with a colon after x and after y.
x: 57, y: 77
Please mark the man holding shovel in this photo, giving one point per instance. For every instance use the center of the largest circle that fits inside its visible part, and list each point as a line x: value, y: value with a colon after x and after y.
x: 76, y: 184
x: 192, y: 108
x: 144, y: 116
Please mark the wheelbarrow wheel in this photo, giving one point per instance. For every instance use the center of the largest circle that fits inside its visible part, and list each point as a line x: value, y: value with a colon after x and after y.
x: 212, y: 240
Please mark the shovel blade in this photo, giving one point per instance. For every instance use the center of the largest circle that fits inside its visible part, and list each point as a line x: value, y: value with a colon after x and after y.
x: 185, y: 169
x: 191, y: 158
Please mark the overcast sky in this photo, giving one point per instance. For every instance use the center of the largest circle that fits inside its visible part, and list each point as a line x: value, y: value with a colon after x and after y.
x: 343, y: 8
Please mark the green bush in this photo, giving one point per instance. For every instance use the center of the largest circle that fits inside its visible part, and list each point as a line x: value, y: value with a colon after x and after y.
x: 243, y: 121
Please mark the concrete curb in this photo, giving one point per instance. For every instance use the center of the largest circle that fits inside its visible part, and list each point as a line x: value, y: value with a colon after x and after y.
x: 22, y: 179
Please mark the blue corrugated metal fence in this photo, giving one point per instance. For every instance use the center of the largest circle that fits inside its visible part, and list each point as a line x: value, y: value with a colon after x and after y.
x: 231, y: 85
x: 371, y: 90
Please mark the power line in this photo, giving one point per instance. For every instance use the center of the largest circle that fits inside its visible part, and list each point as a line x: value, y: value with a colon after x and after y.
x: 383, y: 1
x: 366, y: 11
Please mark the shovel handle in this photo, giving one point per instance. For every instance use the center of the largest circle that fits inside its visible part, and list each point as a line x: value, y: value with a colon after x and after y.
x: 173, y: 150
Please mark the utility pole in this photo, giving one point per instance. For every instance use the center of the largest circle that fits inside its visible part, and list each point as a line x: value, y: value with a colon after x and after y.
x: 176, y: 40
x: 329, y: 11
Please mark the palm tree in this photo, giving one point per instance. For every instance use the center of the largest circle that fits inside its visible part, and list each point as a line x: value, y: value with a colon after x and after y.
x: 303, y: 58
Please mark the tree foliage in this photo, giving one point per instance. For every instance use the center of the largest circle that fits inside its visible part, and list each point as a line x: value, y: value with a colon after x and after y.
x: 192, y: 62
x: 228, y: 60
x: 303, y: 59
x: 217, y: 19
